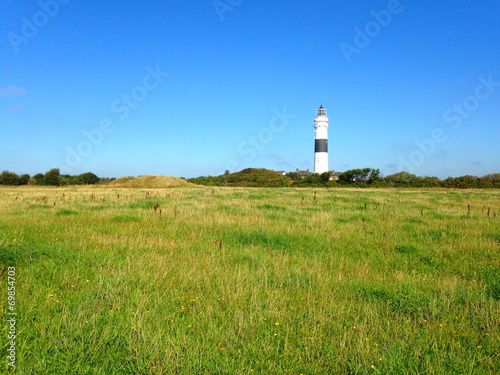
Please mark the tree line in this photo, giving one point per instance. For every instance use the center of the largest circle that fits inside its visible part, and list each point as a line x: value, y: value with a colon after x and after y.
x: 369, y: 177
x: 364, y: 177
x: 252, y: 177
x: 51, y: 178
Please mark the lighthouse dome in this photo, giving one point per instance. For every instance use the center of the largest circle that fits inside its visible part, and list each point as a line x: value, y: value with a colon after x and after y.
x: 321, y: 111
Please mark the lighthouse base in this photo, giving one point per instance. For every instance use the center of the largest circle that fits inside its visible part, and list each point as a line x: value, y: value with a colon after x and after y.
x: 320, y: 162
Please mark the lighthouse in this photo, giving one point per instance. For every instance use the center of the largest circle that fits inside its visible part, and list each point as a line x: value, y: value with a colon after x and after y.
x: 321, y: 141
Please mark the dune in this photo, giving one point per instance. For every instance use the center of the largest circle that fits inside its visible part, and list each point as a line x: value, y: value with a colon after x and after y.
x: 149, y: 181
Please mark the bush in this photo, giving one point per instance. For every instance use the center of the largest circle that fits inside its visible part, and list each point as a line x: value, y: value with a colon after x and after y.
x: 88, y: 178
x: 23, y: 180
x: 249, y: 177
x: 53, y: 177
x: 39, y: 179
x: 360, y: 176
x: 9, y: 178
x: 252, y: 177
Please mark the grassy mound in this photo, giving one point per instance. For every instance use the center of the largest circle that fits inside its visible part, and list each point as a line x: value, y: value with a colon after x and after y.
x: 250, y: 177
x: 149, y: 181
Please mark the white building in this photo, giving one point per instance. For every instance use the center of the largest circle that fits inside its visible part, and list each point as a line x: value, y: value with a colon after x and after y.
x: 321, y: 141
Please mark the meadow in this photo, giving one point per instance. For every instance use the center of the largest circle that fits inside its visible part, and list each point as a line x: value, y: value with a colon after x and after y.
x: 201, y: 280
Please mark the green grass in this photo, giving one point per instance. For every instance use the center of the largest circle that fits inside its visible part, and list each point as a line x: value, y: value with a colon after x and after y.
x: 252, y: 281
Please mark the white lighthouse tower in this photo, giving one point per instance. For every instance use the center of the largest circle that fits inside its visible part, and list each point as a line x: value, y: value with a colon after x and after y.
x: 321, y: 141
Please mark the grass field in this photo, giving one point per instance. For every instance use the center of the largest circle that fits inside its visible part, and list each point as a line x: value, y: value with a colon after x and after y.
x: 252, y: 281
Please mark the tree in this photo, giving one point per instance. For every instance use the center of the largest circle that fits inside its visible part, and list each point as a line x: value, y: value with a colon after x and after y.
x: 312, y: 179
x: 494, y: 177
x: 401, y: 178
x: 468, y: 181
x: 427, y: 181
x: 374, y: 176
x: 294, y: 176
x: 23, y: 180
x: 39, y: 178
x: 365, y: 175
x: 89, y: 178
x: 463, y: 182
x: 325, y: 177
x: 9, y: 178
x: 75, y: 180
x: 52, y: 177
x: 350, y: 176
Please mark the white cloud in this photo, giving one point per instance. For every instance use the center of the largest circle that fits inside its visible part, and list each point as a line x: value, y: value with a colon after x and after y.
x: 12, y: 91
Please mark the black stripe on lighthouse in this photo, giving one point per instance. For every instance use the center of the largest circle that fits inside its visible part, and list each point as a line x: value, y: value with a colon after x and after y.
x: 321, y: 145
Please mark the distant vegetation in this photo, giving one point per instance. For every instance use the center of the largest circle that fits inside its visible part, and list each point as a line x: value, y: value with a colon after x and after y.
x: 252, y: 177
x: 51, y: 178
x: 365, y: 177
x: 246, y: 178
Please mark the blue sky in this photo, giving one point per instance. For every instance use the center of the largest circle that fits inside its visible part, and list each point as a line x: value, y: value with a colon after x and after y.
x: 189, y: 88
